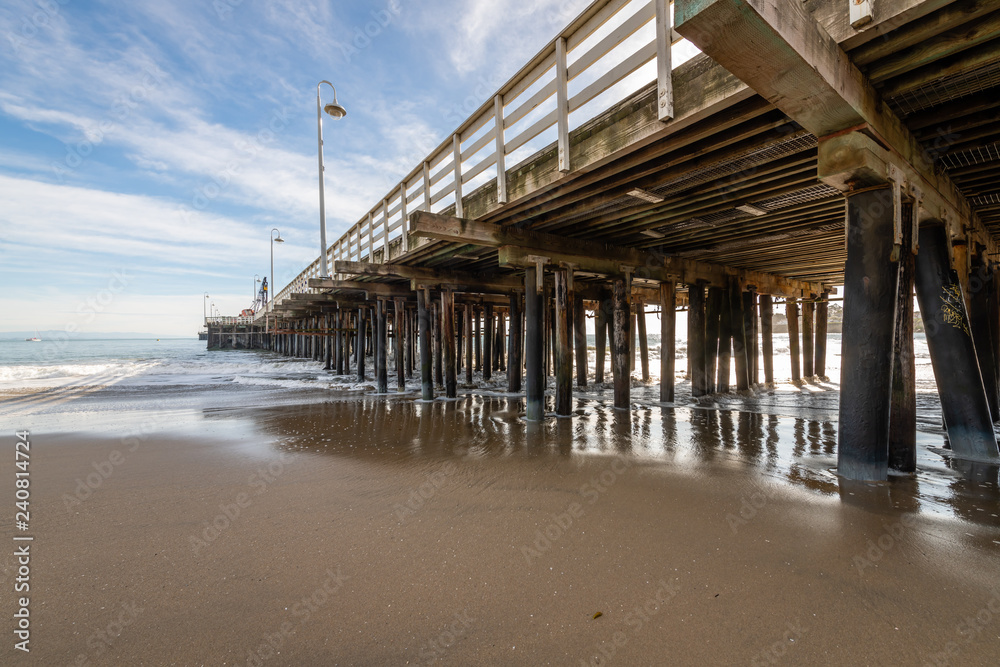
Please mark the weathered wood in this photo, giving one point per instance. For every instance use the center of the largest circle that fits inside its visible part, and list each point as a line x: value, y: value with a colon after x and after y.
x: 424, y: 333
x: 748, y: 332
x: 564, y: 360
x: 903, y: 404
x: 436, y: 338
x: 478, y: 338
x: 782, y: 53
x: 517, y: 247
x: 347, y: 338
x: 725, y: 344
x: 429, y: 275
x: 535, y: 378
x: 741, y: 359
x: 713, y: 315
x: 498, y: 349
x: 668, y: 326
x: 980, y: 281
x: 448, y: 342
x: 767, y: 339
x: 754, y: 332
x: 514, y: 344
x: 580, y: 340
x: 360, y: 344
x: 469, y: 343
x: 792, y: 315
x: 601, y: 337
x: 953, y: 354
x: 866, y: 358
x: 633, y: 349
x: 640, y: 318
x: 488, y: 342
x: 381, y: 349
x: 822, y: 317
x: 697, y: 371
x: 399, y: 326
x: 808, y: 312
x: 619, y: 344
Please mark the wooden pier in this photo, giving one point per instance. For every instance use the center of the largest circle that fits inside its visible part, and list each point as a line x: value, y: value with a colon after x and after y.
x: 807, y: 146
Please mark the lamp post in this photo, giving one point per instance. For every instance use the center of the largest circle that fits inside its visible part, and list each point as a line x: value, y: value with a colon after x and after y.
x: 204, y: 315
x: 253, y: 294
x: 336, y: 111
x: 270, y: 288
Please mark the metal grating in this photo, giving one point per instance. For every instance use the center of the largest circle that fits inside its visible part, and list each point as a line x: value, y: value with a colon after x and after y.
x: 943, y: 90
x: 739, y: 168
x: 973, y: 156
x: 803, y: 196
x: 986, y: 200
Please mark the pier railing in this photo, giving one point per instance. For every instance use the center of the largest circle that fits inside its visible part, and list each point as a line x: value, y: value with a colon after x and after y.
x: 613, y: 49
x: 224, y: 320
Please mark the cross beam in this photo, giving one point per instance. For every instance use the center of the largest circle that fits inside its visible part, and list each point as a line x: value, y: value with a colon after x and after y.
x: 521, y: 248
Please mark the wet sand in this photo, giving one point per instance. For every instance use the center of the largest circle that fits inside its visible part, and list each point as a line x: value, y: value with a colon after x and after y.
x: 386, y: 531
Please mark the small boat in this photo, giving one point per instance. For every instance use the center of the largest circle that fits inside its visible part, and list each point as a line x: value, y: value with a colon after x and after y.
x: 33, y: 339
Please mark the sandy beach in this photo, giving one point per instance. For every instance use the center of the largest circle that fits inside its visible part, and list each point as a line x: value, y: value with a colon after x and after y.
x: 213, y: 528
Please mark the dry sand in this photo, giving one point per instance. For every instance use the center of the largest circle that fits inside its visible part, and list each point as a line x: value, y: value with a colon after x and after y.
x: 392, y: 532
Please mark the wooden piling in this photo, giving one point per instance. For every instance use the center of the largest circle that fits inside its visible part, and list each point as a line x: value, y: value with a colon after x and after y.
x: 399, y: 325
x: 725, y: 344
x: 469, y: 343
x: 488, y: 342
x: 564, y: 359
x: 767, y: 337
x: 696, y: 340
x: 498, y: 348
x: 792, y: 315
x: 477, y: 337
x: 741, y: 348
x: 360, y: 346
x: 633, y: 349
x: 640, y: 318
x: 754, y: 333
x: 580, y: 340
x: 601, y: 338
x: 534, y: 343
x: 620, y: 353
x: 668, y: 327
x: 822, y: 315
x: 436, y: 339
x: 713, y: 322
x: 424, y: 333
x: 448, y: 343
x: 808, y: 310
x: 869, y: 324
x: 514, y: 344
x: 979, y: 313
x: 953, y: 354
x: 903, y: 405
x: 381, y: 348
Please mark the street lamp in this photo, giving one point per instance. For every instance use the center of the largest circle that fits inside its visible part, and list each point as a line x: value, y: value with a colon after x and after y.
x: 270, y: 288
x: 203, y: 314
x: 336, y: 111
x: 253, y: 294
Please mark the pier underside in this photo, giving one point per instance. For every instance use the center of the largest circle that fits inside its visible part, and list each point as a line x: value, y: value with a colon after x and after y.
x: 800, y: 155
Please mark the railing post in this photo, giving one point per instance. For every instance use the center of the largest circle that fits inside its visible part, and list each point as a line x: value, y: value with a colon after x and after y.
x: 402, y: 209
x: 456, y: 146
x: 501, y: 157
x: 371, y: 237
x: 562, y: 105
x: 427, y: 186
x: 664, y: 79
x: 385, y: 231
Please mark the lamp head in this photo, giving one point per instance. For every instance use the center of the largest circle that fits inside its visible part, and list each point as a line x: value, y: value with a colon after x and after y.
x: 334, y: 109
x: 279, y: 240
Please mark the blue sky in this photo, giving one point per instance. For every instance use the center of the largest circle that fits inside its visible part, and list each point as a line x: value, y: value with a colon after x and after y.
x: 147, y: 149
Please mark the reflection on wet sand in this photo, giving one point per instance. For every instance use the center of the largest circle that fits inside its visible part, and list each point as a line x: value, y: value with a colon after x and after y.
x: 794, y: 451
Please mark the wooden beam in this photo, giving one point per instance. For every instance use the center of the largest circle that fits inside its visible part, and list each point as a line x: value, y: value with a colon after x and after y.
x: 780, y: 51
x: 517, y: 245
x: 423, y: 274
